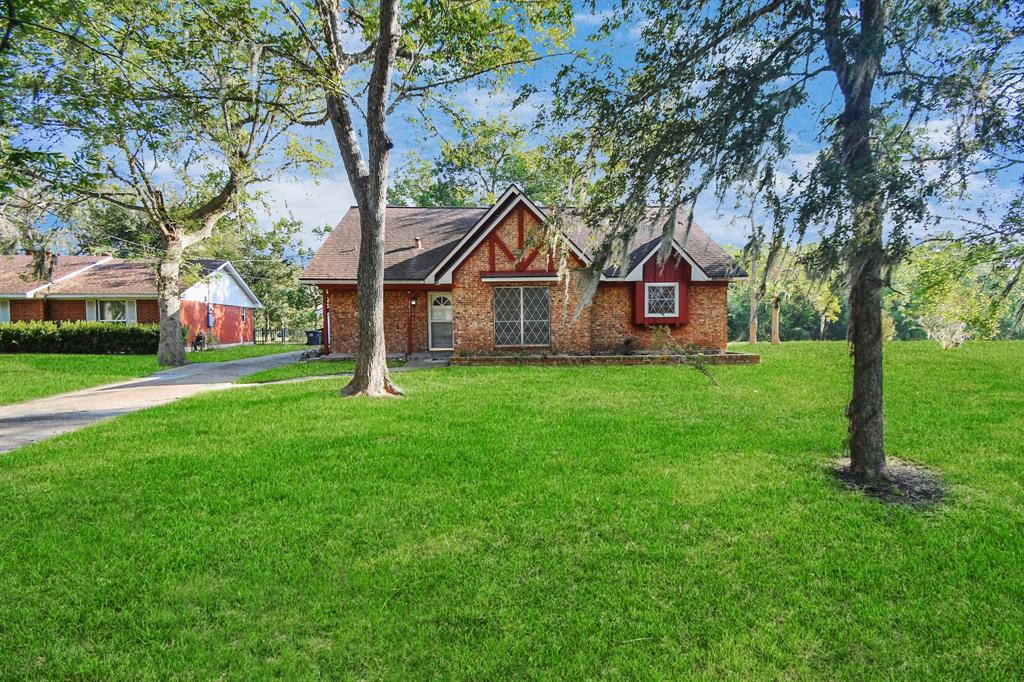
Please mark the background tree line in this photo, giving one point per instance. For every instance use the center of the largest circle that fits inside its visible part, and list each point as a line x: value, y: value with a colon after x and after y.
x: 945, y: 289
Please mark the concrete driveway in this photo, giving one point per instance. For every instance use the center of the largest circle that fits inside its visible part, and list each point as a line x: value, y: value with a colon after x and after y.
x: 40, y: 419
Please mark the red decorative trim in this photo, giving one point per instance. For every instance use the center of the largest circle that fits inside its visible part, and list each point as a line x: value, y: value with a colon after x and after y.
x: 501, y: 245
x: 525, y: 263
x: 490, y: 246
x: 522, y: 227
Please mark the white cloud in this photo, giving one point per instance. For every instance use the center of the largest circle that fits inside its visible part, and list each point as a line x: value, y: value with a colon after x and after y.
x: 481, y: 103
x: 592, y: 18
x: 314, y: 202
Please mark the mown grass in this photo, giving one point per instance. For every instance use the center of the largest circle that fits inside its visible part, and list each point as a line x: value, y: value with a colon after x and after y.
x: 25, y: 376
x: 527, y: 522
x: 310, y: 368
x: 242, y: 352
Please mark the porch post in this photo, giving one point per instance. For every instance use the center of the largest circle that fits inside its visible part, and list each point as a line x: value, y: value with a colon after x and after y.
x: 326, y: 332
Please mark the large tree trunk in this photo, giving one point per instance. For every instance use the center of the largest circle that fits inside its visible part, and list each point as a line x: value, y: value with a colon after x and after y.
x: 370, y: 185
x: 754, y: 300
x: 865, y: 411
x: 171, y: 351
x: 856, y: 63
x: 371, y: 376
x: 776, y: 313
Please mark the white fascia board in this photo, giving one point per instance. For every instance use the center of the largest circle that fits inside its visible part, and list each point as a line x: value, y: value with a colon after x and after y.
x: 31, y: 293
x: 241, y: 282
x: 521, y: 278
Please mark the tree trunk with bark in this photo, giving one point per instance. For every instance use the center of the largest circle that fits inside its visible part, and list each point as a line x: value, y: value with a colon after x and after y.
x: 856, y: 61
x: 865, y: 411
x: 776, y: 314
x: 369, y: 180
x: 171, y: 350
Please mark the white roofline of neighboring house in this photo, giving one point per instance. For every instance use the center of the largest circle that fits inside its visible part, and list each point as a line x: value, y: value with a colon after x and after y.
x: 241, y: 282
x: 32, y: 292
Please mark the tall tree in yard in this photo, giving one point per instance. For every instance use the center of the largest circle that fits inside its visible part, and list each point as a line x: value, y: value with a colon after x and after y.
x: 717, y: 96
x: 174, y: 115
x: 370, y: 59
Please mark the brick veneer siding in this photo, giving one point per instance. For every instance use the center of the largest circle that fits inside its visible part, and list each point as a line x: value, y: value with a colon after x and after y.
x: 612, y: 316
x: 27, y: 311
x: 65, y: 311
x: 473, y: 298
x: 603, y: 326
x: 228, y: 326
x: 147, y: 312
x: 341, y: 302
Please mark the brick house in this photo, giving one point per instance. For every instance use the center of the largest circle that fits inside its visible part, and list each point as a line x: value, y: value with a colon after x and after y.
x: 115, y: 290
x: 469, y: 280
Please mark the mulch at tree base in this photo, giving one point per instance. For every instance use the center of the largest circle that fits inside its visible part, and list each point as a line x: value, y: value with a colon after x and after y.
x: 909, y: 484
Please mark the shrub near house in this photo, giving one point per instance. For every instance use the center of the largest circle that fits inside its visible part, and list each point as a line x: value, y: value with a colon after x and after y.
x: 479, y: 280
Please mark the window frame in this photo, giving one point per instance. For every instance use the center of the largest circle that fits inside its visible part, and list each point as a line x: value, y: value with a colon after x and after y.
x: 5, y: 311
x: 99, y: 311
x: 647, y: 299
x: 522, y: 318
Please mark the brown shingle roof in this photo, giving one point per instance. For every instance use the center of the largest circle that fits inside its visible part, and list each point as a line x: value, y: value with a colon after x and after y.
x: 704, y: 251
x: 440, y: 230
x: 113, y: 278
x: 16, y: 271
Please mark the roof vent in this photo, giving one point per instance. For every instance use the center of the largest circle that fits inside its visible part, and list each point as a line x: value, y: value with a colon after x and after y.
x: 419, y: 243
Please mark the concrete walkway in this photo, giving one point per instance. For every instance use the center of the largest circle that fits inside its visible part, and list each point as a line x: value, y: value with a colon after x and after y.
x: 44, y: 418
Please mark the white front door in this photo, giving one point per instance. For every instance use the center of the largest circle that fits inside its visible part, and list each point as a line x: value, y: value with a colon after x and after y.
x: 440, y: 331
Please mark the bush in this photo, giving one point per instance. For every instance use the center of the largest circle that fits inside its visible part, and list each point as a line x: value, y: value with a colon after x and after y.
x: 101, y: 338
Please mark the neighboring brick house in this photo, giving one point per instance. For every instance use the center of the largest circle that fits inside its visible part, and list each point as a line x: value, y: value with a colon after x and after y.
x: 115, y: 290
x: 470, y: 280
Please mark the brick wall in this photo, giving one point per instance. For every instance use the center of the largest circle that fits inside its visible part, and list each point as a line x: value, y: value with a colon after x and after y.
x: 147, y: 312
x: 228, y: 326
x: 345, y: 320
x: 60, y: 311
x: 473, y: 298
x: 27, y: 311
x: 605, y: 325
x: 612, y: 325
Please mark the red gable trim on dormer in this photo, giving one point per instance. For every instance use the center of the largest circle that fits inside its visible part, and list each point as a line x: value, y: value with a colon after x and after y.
x: 513, y: 198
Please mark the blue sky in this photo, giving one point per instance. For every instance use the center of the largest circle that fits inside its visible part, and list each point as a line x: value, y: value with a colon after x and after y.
x: 322, y: 201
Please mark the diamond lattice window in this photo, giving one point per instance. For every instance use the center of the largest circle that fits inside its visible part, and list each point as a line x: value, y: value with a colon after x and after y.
x: 522, y: 316
x: 662, y: 300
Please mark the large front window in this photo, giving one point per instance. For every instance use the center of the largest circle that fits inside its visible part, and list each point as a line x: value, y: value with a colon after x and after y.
x: 111, y: 311
x: 521, y: 316
x: 662, y: 300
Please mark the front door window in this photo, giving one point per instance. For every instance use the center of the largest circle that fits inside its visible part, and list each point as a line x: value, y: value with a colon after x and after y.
x: 441, y: 322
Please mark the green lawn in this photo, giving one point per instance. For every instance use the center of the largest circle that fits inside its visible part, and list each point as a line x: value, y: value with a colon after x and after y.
x: 311, y: 368
x: 242, y: 352
x: 520, y: 522
x: 25, y: 376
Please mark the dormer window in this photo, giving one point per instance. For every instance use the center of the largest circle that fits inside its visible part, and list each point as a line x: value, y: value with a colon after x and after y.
x: 661, y: 299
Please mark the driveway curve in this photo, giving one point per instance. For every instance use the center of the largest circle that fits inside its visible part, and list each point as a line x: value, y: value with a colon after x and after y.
x: 44, y: 418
